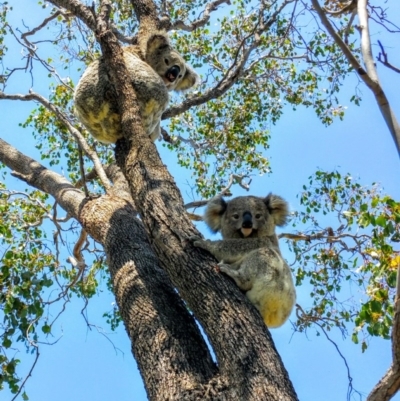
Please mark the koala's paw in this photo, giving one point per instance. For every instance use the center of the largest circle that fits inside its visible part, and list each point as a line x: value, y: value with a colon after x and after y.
x: 199, y: 242
x: 194, y: 238
x: 223, y: 267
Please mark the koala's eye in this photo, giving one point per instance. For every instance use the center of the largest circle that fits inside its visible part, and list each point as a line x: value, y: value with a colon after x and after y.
x: 235, y: 216
x: 258, y: 216
x: 180, y: 76
x: 166, y: 61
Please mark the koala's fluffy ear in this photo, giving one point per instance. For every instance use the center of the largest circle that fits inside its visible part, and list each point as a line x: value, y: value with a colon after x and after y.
x: 278, y: 208
x: 155, y: 42
x: 189, y: 80
x: 215, y: 209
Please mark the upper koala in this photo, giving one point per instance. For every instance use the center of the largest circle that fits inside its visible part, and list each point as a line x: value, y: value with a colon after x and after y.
x: 249, y: 251
x: 154, y: 68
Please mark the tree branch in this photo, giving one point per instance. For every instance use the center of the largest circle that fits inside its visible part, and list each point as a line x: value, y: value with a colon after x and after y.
x: 149, y: 304
x: 179, y: 24
x: 38, y: 176
x: 77, y: 135
x: 370, y: 76
x: 85, y: 14
x: 232, y: 74
x: 383, y: 58
x: 389, y: 385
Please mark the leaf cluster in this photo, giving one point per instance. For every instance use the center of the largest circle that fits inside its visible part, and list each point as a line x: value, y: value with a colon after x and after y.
x: 352, y: 265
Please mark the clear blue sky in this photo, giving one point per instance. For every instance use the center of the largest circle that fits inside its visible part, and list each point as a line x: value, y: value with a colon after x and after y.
x: 84, y: 365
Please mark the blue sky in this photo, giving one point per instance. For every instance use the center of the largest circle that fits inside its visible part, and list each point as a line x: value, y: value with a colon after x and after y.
x: 84, y: 365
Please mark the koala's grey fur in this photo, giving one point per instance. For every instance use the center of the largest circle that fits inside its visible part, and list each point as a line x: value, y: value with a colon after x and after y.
x: 154, y: 68
x: 249, y: 251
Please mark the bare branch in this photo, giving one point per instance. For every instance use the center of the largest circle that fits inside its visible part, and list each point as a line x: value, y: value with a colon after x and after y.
x: 77, y: 260
x: 84, y: 13
x: 196, y: 204
x: 303, y: 237
x: 383, y: 58
x: 63, y: 118
x: 369, y: 77
x: 350, y: 389
x: 346, y: 32
x: 195, y: 217
x: 233, y: 179
x: 43, y: 24
x: 378, y: 14
x: 30, y: 371
x: 213, y: 6
x: 132, y: 40
x: 36, y: 175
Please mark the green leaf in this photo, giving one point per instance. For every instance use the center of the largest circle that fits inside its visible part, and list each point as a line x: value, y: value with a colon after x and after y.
x: 381, y: 221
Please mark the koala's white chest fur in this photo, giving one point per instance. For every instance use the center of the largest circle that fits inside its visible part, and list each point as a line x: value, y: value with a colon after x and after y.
x: 249, y: 251
x: 272, y: 291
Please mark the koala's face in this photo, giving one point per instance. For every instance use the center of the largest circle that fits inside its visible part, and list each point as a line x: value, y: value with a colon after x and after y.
x: 169, y: 64
x: 246, y: 216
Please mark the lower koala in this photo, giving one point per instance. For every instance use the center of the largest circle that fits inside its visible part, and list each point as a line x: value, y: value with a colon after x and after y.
x: 154, y: 68
x: 249, y: 251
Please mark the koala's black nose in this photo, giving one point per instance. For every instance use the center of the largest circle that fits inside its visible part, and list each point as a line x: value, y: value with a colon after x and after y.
x: 172, y: 73
x: 247, y: 221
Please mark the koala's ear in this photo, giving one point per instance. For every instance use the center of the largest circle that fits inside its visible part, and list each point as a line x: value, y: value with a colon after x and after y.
x: 278, y: 208
x: 189, y: 80
x: 155, y: 42
x: 215, y: 209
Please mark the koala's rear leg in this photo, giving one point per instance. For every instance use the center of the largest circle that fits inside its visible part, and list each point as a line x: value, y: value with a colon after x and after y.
x: 243, y: 280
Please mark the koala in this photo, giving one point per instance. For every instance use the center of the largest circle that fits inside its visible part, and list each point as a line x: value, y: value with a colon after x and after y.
x: 249, y: 251
x: 154, y: 67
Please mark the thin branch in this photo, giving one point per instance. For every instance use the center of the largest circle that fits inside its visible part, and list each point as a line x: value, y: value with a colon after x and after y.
x: 233, y: 179
x: 42, y: 25
x: 38, y: 176
x: 369, y: 77
x: 179, y: 24
x: 381, y: 19
x: 86, y: 14
x: 195, y: 217
x: 383, y: 58
x: 350, y: 388
x: 233, y: 73
x: 132, y: 40
x: 63, y: 118
x: 29, y: 373
x: 346, y: 32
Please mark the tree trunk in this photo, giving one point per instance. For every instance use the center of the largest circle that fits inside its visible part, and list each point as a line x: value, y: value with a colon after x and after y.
x: 150, y: 259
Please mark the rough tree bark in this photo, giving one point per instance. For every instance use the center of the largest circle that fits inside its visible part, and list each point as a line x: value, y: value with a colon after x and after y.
x: 149, y: 259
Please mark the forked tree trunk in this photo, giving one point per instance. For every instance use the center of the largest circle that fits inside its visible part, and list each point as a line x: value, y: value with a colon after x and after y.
x: 151, y: 259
